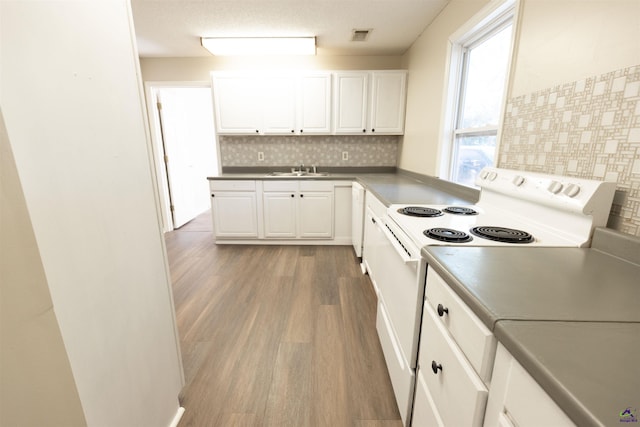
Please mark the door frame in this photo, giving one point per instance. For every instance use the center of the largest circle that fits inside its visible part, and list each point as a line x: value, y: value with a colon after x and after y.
x: 151, y: 98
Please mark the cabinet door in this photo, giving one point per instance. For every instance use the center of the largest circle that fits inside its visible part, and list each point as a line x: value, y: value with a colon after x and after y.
x: 234, y: 214
x: 279, y: 104
x: 236, y: 103
x: 315, y: 215
x: 454, y: 384
x: 314, y: 104
x: 279, y: 214
x: 350, y: 102
x: 388, y: 99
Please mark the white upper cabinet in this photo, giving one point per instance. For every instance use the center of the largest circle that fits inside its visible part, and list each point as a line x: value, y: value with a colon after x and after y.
x: 320, y: 103
x: 314, y: 104
x: 350, y: 102
x: 388, y: 99
x: 272, y: 104
x: 370, y: 103
x: 235, y: 106
x: 278, y: 104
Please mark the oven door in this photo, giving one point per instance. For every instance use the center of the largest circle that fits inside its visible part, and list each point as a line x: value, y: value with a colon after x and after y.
x: 401, y: 292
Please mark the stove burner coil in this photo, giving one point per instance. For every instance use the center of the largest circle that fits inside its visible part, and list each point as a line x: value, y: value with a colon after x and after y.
x: 460, y: 210
x: 420, y: 211
x: 447, y: 235
x: 502, y: 234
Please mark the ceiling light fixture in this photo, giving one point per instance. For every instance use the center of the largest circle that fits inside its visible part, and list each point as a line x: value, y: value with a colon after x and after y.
x: 262, y: 46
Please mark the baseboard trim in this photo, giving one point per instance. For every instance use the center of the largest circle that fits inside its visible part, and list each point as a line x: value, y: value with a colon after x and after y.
x: 177, y: 417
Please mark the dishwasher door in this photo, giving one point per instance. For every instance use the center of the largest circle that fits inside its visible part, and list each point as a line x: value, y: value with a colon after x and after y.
x: 357, y: 217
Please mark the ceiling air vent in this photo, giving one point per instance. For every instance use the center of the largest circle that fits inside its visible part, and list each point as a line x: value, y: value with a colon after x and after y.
x: 360, y: 35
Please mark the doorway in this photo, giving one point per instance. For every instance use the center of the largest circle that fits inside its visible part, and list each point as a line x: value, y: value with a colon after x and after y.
x: 184, y: 141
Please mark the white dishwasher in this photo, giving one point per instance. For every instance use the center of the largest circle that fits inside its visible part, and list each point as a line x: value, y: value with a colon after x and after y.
x: 357, y: 217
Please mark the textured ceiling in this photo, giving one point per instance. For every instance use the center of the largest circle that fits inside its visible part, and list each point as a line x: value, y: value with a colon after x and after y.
x: 173, y: 27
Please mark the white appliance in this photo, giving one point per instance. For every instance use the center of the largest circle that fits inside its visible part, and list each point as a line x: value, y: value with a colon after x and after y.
x: 357, y: 217
x: 516, y: 208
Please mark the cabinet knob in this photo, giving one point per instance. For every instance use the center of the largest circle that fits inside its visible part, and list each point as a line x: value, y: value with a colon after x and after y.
x: 364, y: 130
x: 301, y: 130
x: 302, y: 195
x: 213, y: 195
x: 435, y: 366
x: 292, y: 130
x: 257, y: 130
x: 373, y: 130
x: 293, y: 195
x: 442, y: 310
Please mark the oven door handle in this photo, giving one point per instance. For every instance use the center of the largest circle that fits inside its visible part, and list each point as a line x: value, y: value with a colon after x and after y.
x: 407, y: 254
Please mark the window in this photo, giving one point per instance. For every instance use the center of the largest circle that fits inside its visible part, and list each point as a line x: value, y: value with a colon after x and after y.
x: 480, y: 60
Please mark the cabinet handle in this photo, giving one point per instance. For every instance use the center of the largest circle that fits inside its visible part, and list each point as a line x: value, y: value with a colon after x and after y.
x: 373, y: 220
x: 442, y: 310
x: 435, y: 366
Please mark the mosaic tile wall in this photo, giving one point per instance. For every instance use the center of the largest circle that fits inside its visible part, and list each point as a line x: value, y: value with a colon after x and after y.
x: 588, y: 129
x: 323, y: 150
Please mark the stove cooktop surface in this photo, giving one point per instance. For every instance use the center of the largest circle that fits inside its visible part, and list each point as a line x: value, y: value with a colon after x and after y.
x: 473, y: 225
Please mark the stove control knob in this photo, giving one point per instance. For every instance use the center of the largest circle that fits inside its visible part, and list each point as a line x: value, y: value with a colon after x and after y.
x: 484, y: 174
x: 572, y: 190
x: 492, y: 176
x: 518, y: 181
x: 554, y: 187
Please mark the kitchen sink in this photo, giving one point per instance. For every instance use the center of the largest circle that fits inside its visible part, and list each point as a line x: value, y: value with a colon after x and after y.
x: 298, y: 174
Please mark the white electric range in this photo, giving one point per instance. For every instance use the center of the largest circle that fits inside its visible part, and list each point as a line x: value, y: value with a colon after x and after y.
x: 516, y: 209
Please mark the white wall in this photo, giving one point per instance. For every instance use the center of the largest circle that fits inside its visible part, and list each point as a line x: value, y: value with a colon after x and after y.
x: 71, y: 97
x: 561, y: 41
x: 36, y: 384
x: 426, y: 62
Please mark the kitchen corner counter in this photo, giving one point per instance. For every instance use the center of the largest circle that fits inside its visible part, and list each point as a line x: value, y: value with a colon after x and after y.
x: 390, y: 187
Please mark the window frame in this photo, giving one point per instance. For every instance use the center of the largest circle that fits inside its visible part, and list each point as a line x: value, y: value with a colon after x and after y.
x: 488, y: 22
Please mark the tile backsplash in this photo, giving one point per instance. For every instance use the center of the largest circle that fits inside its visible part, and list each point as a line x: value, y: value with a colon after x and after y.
x: 326, y: 150
x: 588, y: 129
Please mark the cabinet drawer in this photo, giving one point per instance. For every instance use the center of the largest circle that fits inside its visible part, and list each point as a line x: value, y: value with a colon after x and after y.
x: 425, y: 413
x: 471, y: 335
x: 232, y: 185
x: 455, y: 388
x: 307, y: 185
x: 280, y: 186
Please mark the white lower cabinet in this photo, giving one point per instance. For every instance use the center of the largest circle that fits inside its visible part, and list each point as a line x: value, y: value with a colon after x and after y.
x: 234, y: 209
x: 456, y: 390
x: 298, y: 209
x: 516, y: 399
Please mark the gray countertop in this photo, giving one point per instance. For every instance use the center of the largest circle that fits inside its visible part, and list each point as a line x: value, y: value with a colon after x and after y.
x: 564, y: 284
x: 399, y: 187
x: 591, y: 370
x: 570, y: 316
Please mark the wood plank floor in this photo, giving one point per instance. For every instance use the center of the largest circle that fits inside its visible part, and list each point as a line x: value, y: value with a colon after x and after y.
x: 276, y: 335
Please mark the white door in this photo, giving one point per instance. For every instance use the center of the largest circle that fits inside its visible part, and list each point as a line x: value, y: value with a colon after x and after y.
x: 190, y: 152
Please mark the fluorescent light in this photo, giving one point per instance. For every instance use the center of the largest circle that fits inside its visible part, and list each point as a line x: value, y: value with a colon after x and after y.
x: 225, y: 46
